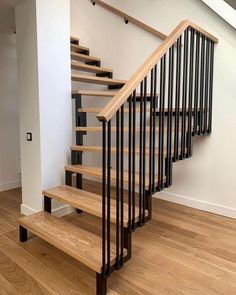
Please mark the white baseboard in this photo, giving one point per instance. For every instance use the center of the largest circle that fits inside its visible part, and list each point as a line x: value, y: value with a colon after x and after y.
x: 10, y: 185
x: 26, y: 210
x: 59, y: 212
x: 63, y: 210
x: 198, y: 204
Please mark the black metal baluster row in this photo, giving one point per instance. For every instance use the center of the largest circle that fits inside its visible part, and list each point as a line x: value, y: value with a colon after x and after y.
x: 185, y: 95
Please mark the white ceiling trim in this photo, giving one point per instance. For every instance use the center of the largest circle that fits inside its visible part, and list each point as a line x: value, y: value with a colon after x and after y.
x: 224, y: 10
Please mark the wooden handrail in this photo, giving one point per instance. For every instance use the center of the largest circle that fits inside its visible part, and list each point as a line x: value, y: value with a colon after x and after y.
x: 131, y: 19
x: 121, y: 97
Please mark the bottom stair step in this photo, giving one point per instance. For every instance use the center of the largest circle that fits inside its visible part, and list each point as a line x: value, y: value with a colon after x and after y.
x: 82, y: 245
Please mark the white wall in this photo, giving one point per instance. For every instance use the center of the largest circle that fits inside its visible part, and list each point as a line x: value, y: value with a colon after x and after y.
x: 43, y: 48
x: 208, y: 180
x: 9, y: 119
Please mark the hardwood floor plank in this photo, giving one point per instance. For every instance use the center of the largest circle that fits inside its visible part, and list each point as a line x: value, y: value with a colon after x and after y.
x: 17, y: 281
x: 181, y: 251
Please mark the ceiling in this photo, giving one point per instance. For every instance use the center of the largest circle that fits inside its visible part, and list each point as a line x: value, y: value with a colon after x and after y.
x: 231, y: 3
x: 7, y: 19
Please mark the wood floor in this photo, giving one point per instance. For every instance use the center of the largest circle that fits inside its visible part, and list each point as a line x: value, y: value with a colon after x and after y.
x: 181, y: 251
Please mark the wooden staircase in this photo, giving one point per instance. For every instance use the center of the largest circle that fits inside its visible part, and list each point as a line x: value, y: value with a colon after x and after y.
x: 141, y: 119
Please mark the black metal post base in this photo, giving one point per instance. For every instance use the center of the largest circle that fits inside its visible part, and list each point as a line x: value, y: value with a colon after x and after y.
x: 23, y: 234
x: 101, y: 284
x: 47, y: 204
x: 128, y: 242
x: 79, y: 211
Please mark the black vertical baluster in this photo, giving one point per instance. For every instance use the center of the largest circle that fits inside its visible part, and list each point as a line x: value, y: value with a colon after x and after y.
x: 196, y: 83
x: 202, y: 83
x: 130, y: 163
x: 151, y: 134
x: 154, y: 127
x: 144, y: 145
x: 161, y: 123
x: 211, y: 86
x: 108, y: 197
x: 184, y: 95
x: 169, y: 118
x: 207, y: 77
x: 141, y: 155
x: 118, y: 189
x: 122, y: 185
x: 190, y: 95
x: 177, y: 97
x: 104, y: 197
x: 133, y: 156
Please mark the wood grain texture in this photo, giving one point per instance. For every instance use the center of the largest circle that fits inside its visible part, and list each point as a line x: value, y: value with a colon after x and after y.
x: 78, y: 48
x: 83, y: 57
x: 96, y: 80
x: 190, y: 252
x: 121, y: 97
x: 88, y: 68
x: 98, y: 149
x: 96, y: 93
x: 87, y: 202
x: 74, y: 39
x: 97, y: 173
x: 80, y: 244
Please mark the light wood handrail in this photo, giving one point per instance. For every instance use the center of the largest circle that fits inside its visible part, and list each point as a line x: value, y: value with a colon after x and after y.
x: 130, y: 19
x: 121, y: 97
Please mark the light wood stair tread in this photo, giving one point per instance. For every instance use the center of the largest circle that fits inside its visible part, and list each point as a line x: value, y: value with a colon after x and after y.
x: 74, y: 39
x: 113, y: 129
x: 97, y: 172
x: 78, y: 48
x: 83, y: 57
x: 87, y: 202
x: 96, y: 80
x: 102, y: 93
x: 89, y: 68
x: 98, y: 149
x: 82, y: 245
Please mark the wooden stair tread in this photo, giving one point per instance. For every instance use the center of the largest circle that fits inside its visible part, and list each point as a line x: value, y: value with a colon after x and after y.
x: 96, y: 80
x: 103, y: 93
x: 89, y: 68
x: 97, y: 172
x: 98, y: 149
x: 87, y: 202
x: 113, y: 129
x: 82, y: 245
x: 78, y: 48
x: 83, y: 57
x: 74, y: 39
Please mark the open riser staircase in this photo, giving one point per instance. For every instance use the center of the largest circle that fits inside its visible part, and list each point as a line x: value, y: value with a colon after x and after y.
x: 146, y: 126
